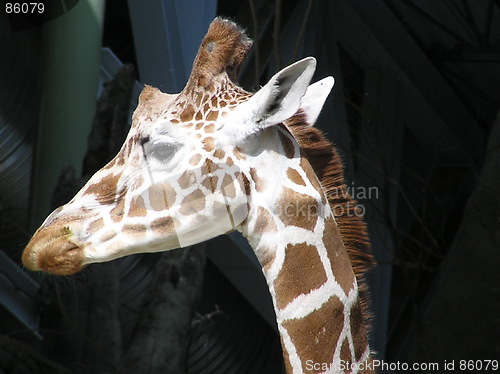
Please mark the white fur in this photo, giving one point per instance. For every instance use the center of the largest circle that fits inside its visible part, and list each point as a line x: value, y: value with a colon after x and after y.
x: 274, y: 103
x: 314, y: 99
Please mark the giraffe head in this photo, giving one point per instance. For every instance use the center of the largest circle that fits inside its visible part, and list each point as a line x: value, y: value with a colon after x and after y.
x: 187, y: 171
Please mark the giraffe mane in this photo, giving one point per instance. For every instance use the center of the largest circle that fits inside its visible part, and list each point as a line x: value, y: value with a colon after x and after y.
x: 328, y: 167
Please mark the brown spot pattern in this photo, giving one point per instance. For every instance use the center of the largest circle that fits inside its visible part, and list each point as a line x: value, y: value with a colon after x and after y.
x: 186, y: 179
x: 161, y: 196
x: 300, y: 259
x: 137, y: 207
x: 315, y: 336
x: 208, y: 167
x: 209, y: 129
x: 108, y: 235
x: 138, y: 182
x: 264, y: 222
x: 195, y: 159
x: 259, y: 183
x: 311, y: 176
x: 243, y: 181
x: 134, y: 230
x: 208, y: 144
x: 337, y: 254
x: 96, y: 225
x: 210, y: 183
x: 345, y: 352
x: 164, y: 225
x: 219, y: 153
x: 297, y: 209
x: 203, y: 80
x: 187, y: 114
x: 288, y: 146
x: 105, y: 190
x: 193, y: 203
x: 228, y: 186
x: 212, y: 115
x: 118, y: 211
x: 237, y: 153
x: 211, y: 86
x: 295, y: 177
x: 198, y: 99
x: 358, y: 330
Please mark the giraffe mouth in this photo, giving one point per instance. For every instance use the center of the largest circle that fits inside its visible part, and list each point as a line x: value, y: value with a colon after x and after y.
x: 53, y: 251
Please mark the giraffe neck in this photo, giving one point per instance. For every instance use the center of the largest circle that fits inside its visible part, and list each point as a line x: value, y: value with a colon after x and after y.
x: 308, y: 271
x: 316, y: 302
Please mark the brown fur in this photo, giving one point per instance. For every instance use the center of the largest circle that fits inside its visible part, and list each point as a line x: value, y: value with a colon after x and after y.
x: 309, y: 344
x: 329, y: 169
x: 222, y: 51
x: 151, y: 103
x: 54, y: 251
x: 299, y: 259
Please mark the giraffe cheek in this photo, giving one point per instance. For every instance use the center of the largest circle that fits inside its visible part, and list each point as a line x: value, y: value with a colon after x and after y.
x: 161, y: 196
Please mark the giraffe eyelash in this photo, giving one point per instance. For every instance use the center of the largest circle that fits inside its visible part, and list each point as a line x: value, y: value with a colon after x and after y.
x: 159, y: 149
x: 162, y: 150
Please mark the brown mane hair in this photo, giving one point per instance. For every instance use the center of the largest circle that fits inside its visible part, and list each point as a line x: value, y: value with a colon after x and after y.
x: 328, y: 167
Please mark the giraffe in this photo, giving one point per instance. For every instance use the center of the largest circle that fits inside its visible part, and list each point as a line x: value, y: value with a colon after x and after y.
x: 216, y: 158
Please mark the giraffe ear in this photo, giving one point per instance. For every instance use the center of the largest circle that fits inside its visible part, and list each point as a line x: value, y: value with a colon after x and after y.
x: 277, y: 101
x: 314, y: 99
x: 280, y: 98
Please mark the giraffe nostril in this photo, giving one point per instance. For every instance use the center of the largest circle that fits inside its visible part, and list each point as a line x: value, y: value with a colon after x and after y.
x: 63, y: 258
x: 53, y: 250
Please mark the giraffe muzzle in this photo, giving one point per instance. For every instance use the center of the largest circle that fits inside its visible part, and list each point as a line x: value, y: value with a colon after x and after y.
x: 53, y: 250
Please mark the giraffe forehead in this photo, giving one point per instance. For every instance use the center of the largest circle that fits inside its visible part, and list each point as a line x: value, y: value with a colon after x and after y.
x: 207, y: 105
x: 190, y: 117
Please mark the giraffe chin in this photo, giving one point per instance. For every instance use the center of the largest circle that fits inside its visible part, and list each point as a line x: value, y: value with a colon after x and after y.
x: 60, y: 256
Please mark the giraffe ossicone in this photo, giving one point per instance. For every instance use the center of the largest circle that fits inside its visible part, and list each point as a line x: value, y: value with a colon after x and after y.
x: 215, y: 158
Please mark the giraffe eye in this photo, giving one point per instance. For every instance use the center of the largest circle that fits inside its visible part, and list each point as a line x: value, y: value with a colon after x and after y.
x: 160, y: 149
x: 163, y: 150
